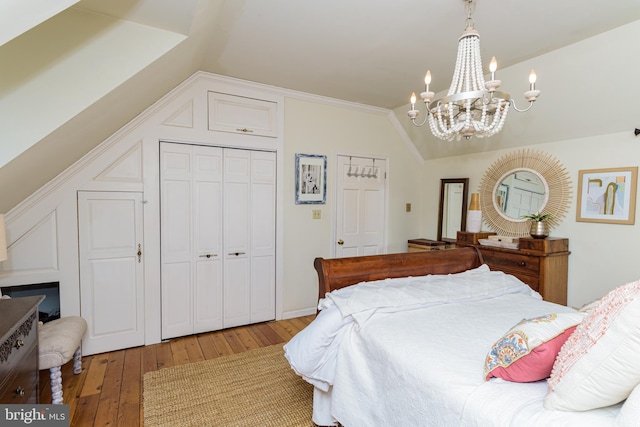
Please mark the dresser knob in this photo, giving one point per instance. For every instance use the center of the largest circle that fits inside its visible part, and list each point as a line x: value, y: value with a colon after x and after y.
x: 20, y: 391
x: 522, y: 263
x: 18, y: 344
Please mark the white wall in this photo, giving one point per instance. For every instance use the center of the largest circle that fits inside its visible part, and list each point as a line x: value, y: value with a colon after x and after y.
x: 318, y: 128
x: 603, y: 256
x: 588, y: 88
x: 43, y: 231
x: 62, y: 53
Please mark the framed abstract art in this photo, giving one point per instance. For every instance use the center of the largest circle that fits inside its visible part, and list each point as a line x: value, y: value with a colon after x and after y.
x: 607, y: 195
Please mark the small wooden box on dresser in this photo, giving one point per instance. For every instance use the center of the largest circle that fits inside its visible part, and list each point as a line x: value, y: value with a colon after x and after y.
x: 422, y: 245
x: 542, y: 264
x: 19, y: 350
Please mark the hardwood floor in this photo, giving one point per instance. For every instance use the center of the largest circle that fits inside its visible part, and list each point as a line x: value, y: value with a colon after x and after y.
x: 108, y: 391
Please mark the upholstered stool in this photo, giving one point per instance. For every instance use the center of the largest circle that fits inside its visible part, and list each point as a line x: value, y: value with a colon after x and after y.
x: 58, y: 342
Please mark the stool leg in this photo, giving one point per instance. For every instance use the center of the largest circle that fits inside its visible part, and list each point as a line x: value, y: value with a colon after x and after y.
x: 77, y: 361
x: 56, y: 385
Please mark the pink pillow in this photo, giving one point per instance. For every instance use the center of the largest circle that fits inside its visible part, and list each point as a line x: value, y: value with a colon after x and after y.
x: 534, y: 366
x: 528, y: 351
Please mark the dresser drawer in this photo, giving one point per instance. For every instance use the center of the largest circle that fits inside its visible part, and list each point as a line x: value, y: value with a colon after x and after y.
x: 512, y: 263
x: 23, y: 339
x: 19, y: 350
x: 21, y: 383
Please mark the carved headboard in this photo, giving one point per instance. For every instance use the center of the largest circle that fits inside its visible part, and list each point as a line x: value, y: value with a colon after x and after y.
x: 336, y: 273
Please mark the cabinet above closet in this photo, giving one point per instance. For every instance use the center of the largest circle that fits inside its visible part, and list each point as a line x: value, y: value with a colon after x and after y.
x: 243, y: 115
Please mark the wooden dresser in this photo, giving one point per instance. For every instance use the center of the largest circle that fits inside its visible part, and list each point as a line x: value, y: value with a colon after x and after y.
x: 542, y: 264
x: 19, y: 350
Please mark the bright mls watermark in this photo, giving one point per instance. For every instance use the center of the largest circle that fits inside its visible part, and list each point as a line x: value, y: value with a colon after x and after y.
x: 34, y: 415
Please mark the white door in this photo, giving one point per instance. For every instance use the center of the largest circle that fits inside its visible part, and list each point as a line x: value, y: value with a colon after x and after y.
x: 360, y: 206
x: 249, y: 236
x: 263, y: 236
x: 217, y: 237
x: 237, y: 265
x: 190, y: 239
x: 111, y: 273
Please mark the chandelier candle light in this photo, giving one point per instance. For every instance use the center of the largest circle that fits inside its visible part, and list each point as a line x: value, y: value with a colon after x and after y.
x: 472, y: 106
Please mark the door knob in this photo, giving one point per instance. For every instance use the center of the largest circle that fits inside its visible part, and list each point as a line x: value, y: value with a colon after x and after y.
x: 340, y: 242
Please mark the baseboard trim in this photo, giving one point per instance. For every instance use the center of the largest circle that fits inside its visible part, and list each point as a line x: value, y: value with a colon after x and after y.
x: 299, y: 313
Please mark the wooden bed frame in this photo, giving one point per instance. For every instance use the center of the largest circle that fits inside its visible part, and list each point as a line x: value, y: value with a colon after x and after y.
x: 336, y: 273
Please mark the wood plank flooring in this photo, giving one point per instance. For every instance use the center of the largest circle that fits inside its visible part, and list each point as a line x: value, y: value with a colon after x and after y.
x: 108, y: 391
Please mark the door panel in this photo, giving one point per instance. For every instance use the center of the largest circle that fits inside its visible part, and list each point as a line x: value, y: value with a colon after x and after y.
x: 218, y: 237
x: 208, y: 303
x: 177, y: 299
x: 237, y: 285
x: 238, y: 114
x: 111, y: 274
x: 191, y: 233
x: 263, y: 236
x: 360, y: 206
x: 237, y: 303
x: 207, y: 236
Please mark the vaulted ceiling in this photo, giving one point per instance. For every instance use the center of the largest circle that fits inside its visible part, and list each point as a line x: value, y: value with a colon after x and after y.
x: 73, y: 72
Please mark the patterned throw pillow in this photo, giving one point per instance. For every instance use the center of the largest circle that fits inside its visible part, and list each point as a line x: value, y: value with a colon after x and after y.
x: 599, y: 364
x: 528, y: 350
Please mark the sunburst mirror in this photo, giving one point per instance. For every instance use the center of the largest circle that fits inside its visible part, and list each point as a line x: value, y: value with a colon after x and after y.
x: 521, y: 183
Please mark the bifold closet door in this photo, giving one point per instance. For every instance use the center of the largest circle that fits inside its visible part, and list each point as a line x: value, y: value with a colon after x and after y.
x: 263, y: 236
x: 249, y: 236
x: 191, y: 239
x: 217, y: 237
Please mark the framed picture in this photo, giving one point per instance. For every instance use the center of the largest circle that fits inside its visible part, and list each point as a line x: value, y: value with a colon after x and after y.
x: 607, y: 195
x: 311, y: 179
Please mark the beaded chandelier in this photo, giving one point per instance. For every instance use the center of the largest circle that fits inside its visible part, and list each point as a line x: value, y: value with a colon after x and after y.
x: 472, y: 107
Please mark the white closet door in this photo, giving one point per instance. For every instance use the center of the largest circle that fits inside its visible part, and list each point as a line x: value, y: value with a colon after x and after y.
x: 111, y: 273
x: 207, y: 238
x: 263, y: 235
x: 190, y: 239
x: 237, y: 267
x: 175, y: 240
x: 217, y: 238
x: 360, y: 206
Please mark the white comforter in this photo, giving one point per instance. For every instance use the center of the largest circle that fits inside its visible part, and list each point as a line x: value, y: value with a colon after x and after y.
x: 410, y: 352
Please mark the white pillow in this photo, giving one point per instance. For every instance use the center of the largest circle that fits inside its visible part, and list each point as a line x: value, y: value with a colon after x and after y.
x: 629, y: 415
x: 599, y: 364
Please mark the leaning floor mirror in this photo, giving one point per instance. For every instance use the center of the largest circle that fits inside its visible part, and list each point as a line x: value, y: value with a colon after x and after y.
x: 452, y: 213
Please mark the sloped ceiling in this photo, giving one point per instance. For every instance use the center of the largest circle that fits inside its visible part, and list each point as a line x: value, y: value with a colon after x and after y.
x: 75, y: 78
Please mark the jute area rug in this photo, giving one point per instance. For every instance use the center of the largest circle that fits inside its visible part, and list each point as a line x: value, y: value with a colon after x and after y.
x: 255, y: 389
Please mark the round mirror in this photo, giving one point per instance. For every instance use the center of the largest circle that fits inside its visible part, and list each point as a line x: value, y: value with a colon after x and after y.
x: 521, y: 183
x: 520, y: 192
